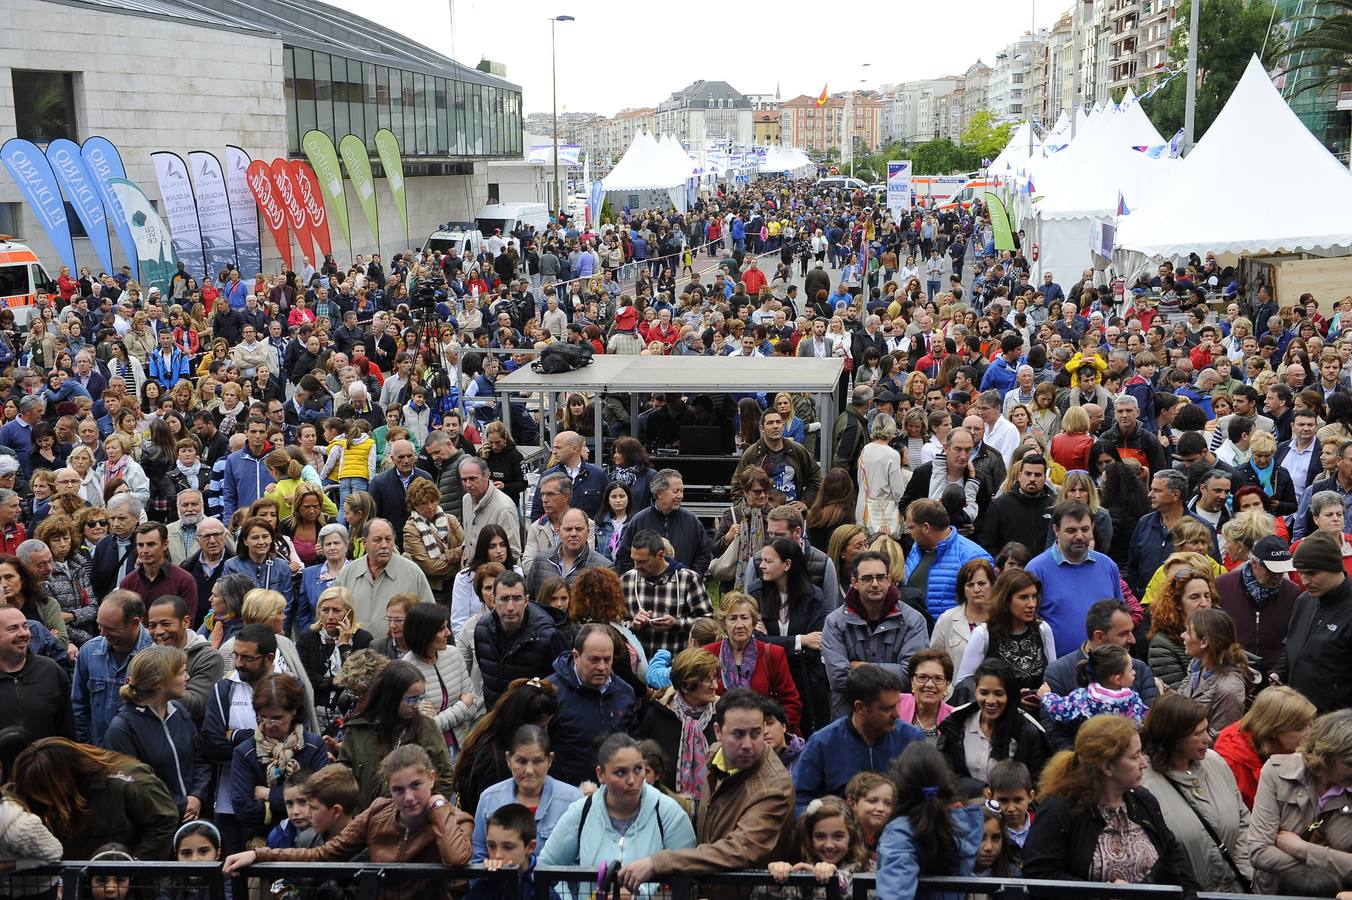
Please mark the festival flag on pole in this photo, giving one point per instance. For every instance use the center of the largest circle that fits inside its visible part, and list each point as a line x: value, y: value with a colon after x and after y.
x: 1176, y: 145
x: 821, y: 101
x: 1122, y: 209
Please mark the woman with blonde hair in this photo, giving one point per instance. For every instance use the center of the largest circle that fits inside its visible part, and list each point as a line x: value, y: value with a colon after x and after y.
x: 325, y: 646
x: 266, y: 607
x: 1095, y: 822
x: 155, y: 727
x: 1298, y: 817
x: 1045, y: 417
x: 1070, y: 448
x: 117, y: 447
x: 847, y: 542
x: 1263, y: 470
x: 1276, y: 723
x: 1241, y: 533
x: 81, y: 459
x: 1190, y: 586
x: 881, y: 480
x: 747, y: 660
x: 1080, y: 486
x: 1187, y: 535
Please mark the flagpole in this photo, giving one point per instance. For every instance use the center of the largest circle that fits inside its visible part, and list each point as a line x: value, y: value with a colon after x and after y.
x: 1190, y: 102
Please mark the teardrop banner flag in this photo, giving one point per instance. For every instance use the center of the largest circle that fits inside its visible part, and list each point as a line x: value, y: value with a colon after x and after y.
x: 37, y: 182
x: 274, y: 217
x: 73, y: 175
x: 392, y: 161
x: 353, y: 151
x: 307, y: 190
x: 213, y: 212
x: 155, y: 258
x: 323, y: 157
x: 105, y: 164
x: 180, y: 206
x: 243, y: 211
x: 289, y: 198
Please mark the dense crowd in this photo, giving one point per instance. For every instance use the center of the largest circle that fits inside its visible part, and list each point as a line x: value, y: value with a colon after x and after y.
x: 277, y: 582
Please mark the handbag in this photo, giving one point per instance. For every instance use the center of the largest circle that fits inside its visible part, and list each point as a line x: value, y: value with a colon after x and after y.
x: 1215, y: 838
x: 725, y: 567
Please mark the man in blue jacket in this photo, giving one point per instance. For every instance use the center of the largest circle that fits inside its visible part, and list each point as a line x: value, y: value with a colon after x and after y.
x: 102, y: 666
x: 167, y: 365
x: 589, y: 480
x: 866, y: 740
x: 246, y: 478
x: 592, y: 703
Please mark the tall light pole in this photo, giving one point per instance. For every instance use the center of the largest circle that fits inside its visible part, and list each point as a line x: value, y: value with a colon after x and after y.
x: 554, y: 90
x: 1190, y: 101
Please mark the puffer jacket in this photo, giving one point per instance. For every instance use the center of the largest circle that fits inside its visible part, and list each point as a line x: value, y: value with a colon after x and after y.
x: 953, y: 552
x: 170, y: 746
x: 528, y: 653
x: 1167, y: 660
x: 585, y: 715
x: 256, y: 816
x: 450, y: 676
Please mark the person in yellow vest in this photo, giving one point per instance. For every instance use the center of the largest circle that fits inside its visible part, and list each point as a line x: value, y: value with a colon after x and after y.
x: 352, y: 460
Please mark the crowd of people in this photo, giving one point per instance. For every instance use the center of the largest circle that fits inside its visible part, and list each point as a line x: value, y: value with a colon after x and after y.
x: 277, y: 583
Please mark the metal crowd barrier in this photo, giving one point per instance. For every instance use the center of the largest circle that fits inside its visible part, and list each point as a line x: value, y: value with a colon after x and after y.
x: 364, y: 880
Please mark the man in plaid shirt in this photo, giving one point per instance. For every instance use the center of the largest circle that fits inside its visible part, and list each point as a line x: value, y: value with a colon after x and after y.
x: 662, y: 599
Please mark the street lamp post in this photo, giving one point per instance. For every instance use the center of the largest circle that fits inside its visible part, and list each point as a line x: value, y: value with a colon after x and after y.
x: 554, y: 90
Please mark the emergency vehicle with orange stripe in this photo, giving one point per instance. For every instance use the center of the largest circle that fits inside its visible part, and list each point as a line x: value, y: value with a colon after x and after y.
x: 23, y: 279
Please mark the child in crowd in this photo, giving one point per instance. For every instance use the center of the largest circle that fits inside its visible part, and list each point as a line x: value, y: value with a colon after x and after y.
x: 331, y: 796
x: 996, y: 857
x: 1106, y: 676
x: 198, y: 841
x: 787, y: 746
x: 1010, y: 787
x: 871, y: 795
x: 352, y: 460
x: 655, y: 765
x: 288, y: 833
x: 703, y: 630
x: 511, y: 844
x: 829, y: 844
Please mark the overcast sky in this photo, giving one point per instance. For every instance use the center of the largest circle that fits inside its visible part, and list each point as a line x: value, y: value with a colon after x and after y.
x: 618, y: 55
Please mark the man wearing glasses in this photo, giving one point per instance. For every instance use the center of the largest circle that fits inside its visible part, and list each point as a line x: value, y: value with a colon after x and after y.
x: 207, y: 564
x: 874, y: 626
x: 230, y: 719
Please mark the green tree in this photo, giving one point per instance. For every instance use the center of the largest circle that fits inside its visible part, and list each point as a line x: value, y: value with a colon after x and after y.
x: 1319, y: 52
x: 943, y: 157
x: 1232, y: 32
x: 984, y: 137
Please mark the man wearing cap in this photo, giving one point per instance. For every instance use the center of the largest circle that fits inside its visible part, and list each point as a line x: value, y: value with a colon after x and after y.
x: 1259, y: 597
x: 1317, y: 653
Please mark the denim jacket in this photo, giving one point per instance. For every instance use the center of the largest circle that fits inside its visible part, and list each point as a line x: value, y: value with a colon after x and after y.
x: 95, y: 685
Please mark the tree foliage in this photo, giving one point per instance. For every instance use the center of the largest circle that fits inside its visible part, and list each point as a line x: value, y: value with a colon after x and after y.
x: 1231, y: 32
x: 1319, y: 52
x: 943, y: 157
x: 984, y: 137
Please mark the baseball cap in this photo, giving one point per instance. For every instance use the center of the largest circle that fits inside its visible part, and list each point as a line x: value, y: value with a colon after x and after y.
x: 1273, y: 553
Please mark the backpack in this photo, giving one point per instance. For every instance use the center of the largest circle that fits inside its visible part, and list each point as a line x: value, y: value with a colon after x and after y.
x: 558, y: 358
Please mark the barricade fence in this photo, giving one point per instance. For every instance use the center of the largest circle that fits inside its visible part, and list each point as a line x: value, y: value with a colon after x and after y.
x: 78, y: 880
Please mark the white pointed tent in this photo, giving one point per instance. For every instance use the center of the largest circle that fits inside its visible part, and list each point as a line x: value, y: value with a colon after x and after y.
x: 1257, y: 182
x: 787, y: 159
x: 1015, y: 156
x: 647, y: 176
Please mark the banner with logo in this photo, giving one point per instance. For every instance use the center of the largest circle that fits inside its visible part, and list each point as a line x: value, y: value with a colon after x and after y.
x: 353, y: 151
x: 598, y: 198
x: 898, y: 188
x: 243, y: 211
x: 155, y: 258
x: 392, y: 161
x: 73, y: 175
x: 213, y: 212
x: 323, y: 157
x: 37, y: 182
x: 180, y: 206
x: 274, y: 217
x: 1000, y: 226
x: 105, y: 163
x: 289, y: 198
x: 307, y: 191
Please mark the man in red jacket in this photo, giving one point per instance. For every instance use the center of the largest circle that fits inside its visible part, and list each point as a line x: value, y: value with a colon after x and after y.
x: 753, y: 278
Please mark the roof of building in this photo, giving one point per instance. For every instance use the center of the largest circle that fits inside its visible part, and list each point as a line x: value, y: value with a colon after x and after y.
x: 703, y: 90
x: 309, y: 24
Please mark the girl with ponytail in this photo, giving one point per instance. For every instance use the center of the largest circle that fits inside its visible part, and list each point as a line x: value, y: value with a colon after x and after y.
x: 1106, y: 678
x: 1219, y: 676
x: 929, y: 834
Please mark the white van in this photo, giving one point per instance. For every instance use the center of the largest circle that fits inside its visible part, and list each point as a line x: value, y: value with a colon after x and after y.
x: 511, y: 216
x: 23, y: 280
x: 842, y: 182
x: 465, y: 237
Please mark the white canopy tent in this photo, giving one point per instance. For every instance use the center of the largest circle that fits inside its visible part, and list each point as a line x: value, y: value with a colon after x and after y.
x: 1257, y: 182
x: 1016, y: 154
x: 645, y: 172
x: 787, y: 159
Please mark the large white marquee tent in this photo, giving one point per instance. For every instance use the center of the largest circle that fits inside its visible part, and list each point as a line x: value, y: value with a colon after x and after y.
x: 1257, y: 182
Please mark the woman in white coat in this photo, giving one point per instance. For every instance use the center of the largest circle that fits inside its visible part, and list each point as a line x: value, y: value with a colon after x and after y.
x: 881, y: 479
x: 449, y: 698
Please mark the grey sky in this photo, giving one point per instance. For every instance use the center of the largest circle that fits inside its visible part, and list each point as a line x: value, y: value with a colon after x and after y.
x: 609, y: 61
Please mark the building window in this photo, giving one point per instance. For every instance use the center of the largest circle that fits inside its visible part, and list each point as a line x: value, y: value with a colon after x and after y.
x: 494, y: 192
x: 44, y: 106
x: 9, y: 219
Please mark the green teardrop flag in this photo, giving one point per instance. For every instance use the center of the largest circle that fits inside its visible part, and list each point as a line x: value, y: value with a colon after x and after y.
x: 319, y: 150
x: 392, y: 160
x: 1004, y: 235
x: 353, y: 151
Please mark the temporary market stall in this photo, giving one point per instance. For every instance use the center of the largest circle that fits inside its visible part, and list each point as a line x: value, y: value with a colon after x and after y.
x: 647, y: 176
x: 1258, y: 182
x: 790, y: 160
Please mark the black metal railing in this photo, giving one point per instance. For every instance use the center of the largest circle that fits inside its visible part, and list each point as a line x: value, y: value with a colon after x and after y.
x: 366, y: 880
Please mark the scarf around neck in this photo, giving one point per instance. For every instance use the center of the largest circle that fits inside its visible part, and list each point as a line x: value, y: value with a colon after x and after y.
x: 734, y: 675
x: 692, y: 758
x: 279, y: 757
